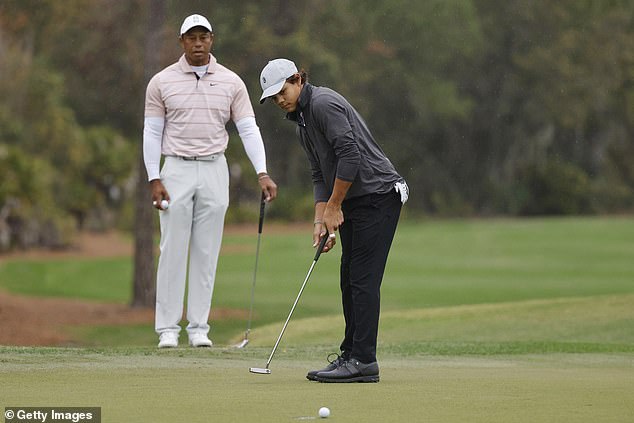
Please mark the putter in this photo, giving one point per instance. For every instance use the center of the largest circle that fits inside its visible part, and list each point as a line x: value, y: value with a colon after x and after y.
x: 245, y: 341
x: 266, y: 370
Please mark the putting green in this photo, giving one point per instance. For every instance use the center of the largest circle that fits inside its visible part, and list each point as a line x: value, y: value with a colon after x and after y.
x: 186, y: 385
x: 482, y: 321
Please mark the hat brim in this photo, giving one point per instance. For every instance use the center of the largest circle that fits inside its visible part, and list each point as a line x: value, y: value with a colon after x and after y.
x: 196, y: 26
x: 272, y: 90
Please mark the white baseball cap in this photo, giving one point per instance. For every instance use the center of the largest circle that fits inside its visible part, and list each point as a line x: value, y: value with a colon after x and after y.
x: 195, y: 20
x: 273, y: 76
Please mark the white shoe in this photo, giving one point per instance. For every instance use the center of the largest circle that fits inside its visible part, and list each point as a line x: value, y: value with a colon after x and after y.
x: 168, y: 340
x: 199, y: 340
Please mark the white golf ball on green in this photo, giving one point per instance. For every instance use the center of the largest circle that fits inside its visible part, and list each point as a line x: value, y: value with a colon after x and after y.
x: 324, y: 412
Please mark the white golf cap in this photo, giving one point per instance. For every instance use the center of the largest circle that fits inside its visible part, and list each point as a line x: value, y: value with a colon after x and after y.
x: 273, y: 76
x: 195, y: 20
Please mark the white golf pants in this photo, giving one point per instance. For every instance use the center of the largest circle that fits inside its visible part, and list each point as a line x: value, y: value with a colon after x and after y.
x: 191, y: 233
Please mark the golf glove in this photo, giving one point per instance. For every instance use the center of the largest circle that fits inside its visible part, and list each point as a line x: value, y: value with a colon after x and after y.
x: 403, y: 189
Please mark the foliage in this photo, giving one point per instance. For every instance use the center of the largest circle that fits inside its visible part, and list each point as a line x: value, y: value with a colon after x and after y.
x: 28, y: 215
x: 465, y: 96
x: 55, y: 170
x: 552, y: 188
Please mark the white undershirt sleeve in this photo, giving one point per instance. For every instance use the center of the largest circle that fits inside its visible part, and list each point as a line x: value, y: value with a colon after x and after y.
x: 152, y: 139
x: 252, y: 141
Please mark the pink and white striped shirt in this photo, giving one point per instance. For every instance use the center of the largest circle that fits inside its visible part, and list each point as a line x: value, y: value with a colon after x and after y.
x: 195, y: 109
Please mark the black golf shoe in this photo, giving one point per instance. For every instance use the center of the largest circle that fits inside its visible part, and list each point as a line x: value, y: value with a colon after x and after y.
x: 333, y: 364
x: 351, y: 370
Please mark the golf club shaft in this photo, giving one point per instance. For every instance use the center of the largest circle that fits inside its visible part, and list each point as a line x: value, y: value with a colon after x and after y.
x: 255, y: 269
x: 312, y: 266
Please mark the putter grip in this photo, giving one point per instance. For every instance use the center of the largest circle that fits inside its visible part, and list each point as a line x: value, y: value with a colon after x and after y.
x: 321, y: 246
x: 262, y: 204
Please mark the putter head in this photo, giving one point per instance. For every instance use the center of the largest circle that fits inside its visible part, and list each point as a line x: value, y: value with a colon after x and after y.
x: 260, y: 371
x: 242, y: 344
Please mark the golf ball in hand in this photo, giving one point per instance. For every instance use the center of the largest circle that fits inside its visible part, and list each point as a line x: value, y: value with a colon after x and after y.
x: 165, y: 204
x: 324, y: 412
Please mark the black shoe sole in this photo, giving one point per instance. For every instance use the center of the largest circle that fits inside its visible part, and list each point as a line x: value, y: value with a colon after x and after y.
x: 311, y: 377
x: 356, y: 379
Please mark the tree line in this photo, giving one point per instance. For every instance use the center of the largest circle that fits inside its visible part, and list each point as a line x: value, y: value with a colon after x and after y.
x: 487, y: 107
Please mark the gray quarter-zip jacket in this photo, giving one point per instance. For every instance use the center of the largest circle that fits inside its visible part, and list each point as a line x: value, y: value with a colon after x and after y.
x: 339, y: 144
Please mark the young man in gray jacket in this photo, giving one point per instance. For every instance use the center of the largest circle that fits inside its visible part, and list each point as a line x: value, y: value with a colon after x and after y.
x: 358, y: 193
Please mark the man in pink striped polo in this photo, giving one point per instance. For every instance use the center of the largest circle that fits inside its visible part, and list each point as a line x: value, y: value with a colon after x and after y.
x: 187, y: 106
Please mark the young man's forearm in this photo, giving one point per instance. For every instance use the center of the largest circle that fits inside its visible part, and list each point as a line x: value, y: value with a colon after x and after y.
x: 332, y: 214
x: 336, y: 198
x: 339, y: 192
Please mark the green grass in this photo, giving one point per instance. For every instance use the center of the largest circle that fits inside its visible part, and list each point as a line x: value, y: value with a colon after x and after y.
x: 432, y: 264
x: 107, y: 279
x: 145, y: 385
x: 576, y: 325
x: 482, y: 321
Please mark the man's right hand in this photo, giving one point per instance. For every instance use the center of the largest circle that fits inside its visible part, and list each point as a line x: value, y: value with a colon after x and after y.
x: 268, y: 187
x: 319, y: 231
x: 159, y: 193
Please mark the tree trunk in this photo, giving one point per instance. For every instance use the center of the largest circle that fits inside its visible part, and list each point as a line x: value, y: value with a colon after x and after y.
x: 144, y: 290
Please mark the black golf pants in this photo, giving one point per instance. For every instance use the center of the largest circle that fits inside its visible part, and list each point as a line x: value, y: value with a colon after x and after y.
x: 366, y: 236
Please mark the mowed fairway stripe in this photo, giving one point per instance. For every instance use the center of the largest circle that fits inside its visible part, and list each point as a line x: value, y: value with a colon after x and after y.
x: 606, y: 319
